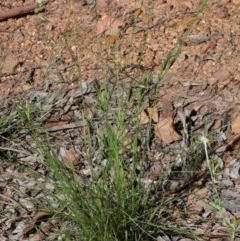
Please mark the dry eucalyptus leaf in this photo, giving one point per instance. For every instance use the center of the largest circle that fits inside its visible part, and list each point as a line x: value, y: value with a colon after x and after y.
x: 156, y: 171
x: 235, y: 142
x: 237, y: 2
x: 143, y: 118
x: 164, y: 130
x: 198, y: 38
x: 108, y: 25
x: 216, y: 125
x: 32, y: 224
x: 233, y: 169
x: 110, y: 40
x: 167, y: 108
x: 147, y: 19
x: 49, y: 124
x: 9, y: 64
x: 72, y: 159
x: 153, y: 114
x: 221, y: 75
x: 236, y: 125
x: 182, y: 5
x: 41, y: 233
x: 222, y: 12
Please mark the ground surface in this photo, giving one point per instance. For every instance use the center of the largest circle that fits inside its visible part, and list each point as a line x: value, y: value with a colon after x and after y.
x: 48, y: 54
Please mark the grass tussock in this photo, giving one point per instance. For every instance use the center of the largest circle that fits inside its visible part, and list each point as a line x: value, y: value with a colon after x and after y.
x: 115, y: 205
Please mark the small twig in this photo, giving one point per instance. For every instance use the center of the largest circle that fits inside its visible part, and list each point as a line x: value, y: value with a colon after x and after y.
x: 19, y: 11
x: 13, y: 149
x: 6, y: 203
x: 41, y: 66
x: 65, y: 127
x: 142, y: 29
x: 14, y: 73
x: 8, y: 198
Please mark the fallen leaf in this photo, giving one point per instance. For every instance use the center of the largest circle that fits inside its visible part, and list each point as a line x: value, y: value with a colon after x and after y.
x: 217, y: 124
x: 102, y: 4
x: 31, y: 225
x: 153, y: 114
x: 9, y: 65
x: 197, y: 39
x: 54, y: 118
x: 237, y: 2
x: 108, y: 25
x: 167, y: 108
x: 148, y: 114
x: 55, y: 123
x: 143, y: 118
x: 7, y: 193
x: 111, y: 40
x: 72, y: 159
x: 221, y: 75
x: 147, y: 19
x: 222, y: 13
x: 236, y: 125
x: 232, y: 169
x: 182, y: 5
x: 235, y: 142
x: 156, y: 171
x: 5, y: 90
x: 67, y: 117
x: 207, y: 47
x: 42, y: 232
x: 164, y: 130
